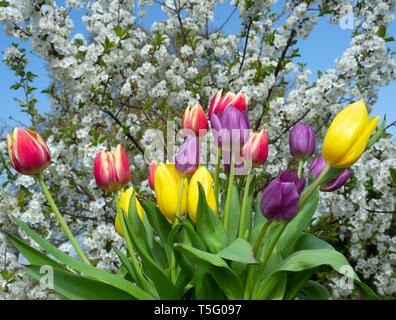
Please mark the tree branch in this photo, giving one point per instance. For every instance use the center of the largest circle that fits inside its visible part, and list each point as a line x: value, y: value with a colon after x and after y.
x: 276, y: 72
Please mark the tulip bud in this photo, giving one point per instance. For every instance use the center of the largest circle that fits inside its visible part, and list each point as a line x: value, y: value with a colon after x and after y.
x: 231, y: 128
x: 316, y: 169
x: 219, y: 104
x: 280, y: 200
x: 28, y: 152
x: 124, y: 204
x: 187, y: 159
x: 195, y: 120
x: 348, y: 135
x: 112, y: 170
x: 202, y: 175
x: 302, y: 141
x: 256, y: 148
x: 152, y: 168
x: 167, y: 184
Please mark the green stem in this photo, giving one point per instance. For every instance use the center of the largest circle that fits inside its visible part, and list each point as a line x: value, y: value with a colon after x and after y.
x: 216, y: 182
x: 252, y: 267
x: 305, y: 195
x: 61, y: 221
x: 300, y: 167
x: 128, y: 241
x: 274, y: 241
x: 261, y: 236
x: 179, y: 199
x: 244, y: 201
x: 229, y: 191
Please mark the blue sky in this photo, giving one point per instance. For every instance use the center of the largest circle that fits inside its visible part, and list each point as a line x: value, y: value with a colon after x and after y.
x: 325, y: 43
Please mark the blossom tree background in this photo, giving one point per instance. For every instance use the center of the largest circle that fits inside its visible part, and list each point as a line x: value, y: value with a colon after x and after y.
x: 123, y: 78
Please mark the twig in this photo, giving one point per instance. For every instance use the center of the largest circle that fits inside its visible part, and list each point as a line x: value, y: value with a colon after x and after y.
x: 288, y: 127
x: 127, y: 134
x: 390, y: 125
x: 276, y: 72
x: 246, y: 43
x: 228, y: 19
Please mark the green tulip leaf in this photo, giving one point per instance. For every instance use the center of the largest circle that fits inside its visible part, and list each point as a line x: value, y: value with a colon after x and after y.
x: 314, y: 291
x: 77, y: 287
x: 128, y: 265
x: 159, y: 223
x: 226, y: 279
x: 165, y: 288
x: 258, y: 215
x: 298, y: 224
x: 84, y: 268
x: 240, y: 250
x: 33, y: 255
x: 309, y: 259
x: 234, y: 215
x: 209, y: 227
x: 273, y: 287
x: 374, y: 138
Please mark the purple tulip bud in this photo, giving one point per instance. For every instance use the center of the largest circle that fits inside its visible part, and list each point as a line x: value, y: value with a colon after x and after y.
x: 316, y: 169
x: 280, y: 200
x: 302, y: 141
x: 187, y: 159
x: 231, y: 128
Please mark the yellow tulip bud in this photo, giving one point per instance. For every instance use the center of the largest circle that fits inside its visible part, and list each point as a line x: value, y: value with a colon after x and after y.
x: 167, y: 184
x: 348, y: 135
x: 124, y: 204
x: 202, y: 175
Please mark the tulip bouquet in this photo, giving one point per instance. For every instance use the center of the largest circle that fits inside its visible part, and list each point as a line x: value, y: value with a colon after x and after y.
x: 197, y: 241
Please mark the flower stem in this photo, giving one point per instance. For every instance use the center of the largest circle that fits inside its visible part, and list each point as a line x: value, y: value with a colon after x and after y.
x: 305, y: 195
x: 244, y: 201
x: 176, y: 221
x: 251, y: 267
x: 61, y: 221
x: 229, y: 191
x: 261, y: 236
x: 128, y: 241
x: 179, y: 200
x: 216, y: 182
x: 274, y: 241
x: 300, y: 167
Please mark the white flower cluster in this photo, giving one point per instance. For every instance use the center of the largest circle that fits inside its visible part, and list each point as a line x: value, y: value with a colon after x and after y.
x: 124, y: 79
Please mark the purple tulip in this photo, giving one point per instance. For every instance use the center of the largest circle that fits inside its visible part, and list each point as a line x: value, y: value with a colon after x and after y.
x: 280, y: 200
x: 187, y: 159
x: 231, y: 128
x: 302, y: 141
x: 316, y: 169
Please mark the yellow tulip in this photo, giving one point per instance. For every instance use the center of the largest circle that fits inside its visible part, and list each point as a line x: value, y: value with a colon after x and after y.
x: 124, y: 204
x: 348, y: 135
x: 202, y: 175
x: 167, y: 184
